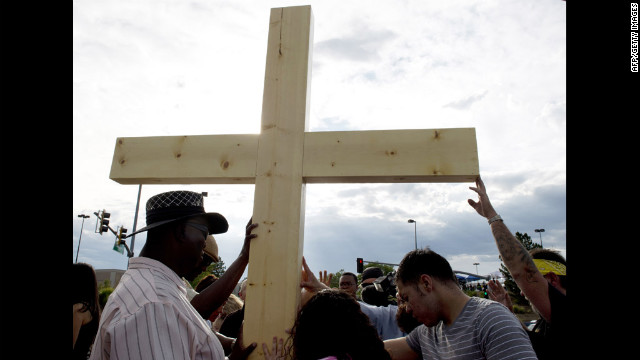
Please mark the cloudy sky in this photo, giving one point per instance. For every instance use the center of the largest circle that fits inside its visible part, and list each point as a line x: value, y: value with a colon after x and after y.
x: 175, y: 67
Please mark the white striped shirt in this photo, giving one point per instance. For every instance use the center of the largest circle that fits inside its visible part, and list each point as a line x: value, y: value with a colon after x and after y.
x: 148, y: 316
x: 484, y: 329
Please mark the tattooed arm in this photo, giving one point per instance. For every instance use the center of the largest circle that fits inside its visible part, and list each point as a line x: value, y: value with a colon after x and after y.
x: 514, y: 255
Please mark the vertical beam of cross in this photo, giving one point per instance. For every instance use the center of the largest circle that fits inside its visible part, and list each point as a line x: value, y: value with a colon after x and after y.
x: 276, y: 255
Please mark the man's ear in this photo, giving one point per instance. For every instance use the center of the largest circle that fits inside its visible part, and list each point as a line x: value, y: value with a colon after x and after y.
x: 553, y: 278
x: 426, y: 282
x: 179, y: 232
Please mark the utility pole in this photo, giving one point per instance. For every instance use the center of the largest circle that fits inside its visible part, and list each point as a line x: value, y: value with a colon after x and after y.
x: 415, y: 232
x: 540, y: 231
x: 83, y: 216
x: 135, y: 222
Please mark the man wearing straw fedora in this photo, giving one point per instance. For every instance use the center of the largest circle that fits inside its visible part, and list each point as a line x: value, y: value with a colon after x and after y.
x: 149, y: 316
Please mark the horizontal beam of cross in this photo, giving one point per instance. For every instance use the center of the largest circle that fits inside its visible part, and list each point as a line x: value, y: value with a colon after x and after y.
x: 376, y: 156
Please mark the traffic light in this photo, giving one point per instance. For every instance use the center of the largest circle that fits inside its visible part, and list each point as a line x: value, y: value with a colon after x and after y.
x: 360, y: 265
x: 104, y: 222
x: 122, y: 234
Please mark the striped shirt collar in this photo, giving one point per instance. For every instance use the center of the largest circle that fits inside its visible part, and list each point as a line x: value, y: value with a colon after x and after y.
x: 140, y: 262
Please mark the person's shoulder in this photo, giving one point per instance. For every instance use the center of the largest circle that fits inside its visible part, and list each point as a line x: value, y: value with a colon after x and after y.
x: 483, y: 304
x: 421, y: 331
x: 489, y: 314
x: 485, y: 308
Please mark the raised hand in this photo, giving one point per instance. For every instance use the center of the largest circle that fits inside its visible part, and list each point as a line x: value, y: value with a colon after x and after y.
x: 325, y: 280
x: 483, y: 206
x: 499, y: 294
x: 309, y: 281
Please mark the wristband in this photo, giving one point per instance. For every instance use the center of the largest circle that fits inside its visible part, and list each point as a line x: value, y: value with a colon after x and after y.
x: 495, y: 218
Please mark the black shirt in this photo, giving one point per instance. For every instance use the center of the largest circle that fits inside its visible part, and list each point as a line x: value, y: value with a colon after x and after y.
x: 549, y: 338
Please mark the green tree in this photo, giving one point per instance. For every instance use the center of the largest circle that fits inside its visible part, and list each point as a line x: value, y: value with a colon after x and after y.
x: 335, y: 280
x: 215, y: 268
x: 105, y: 284
x: 509, y: 283
x: 104, y: 290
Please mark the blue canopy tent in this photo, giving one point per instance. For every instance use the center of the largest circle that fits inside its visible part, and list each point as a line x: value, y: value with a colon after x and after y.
x: 467, y: 278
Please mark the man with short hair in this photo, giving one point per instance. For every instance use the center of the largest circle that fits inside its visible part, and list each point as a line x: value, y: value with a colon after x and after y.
x: 349, y: 283
x: 454, y: 325
x: 148, y: 316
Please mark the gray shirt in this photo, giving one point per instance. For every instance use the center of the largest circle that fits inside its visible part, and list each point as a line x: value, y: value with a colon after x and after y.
x: 484, y: 329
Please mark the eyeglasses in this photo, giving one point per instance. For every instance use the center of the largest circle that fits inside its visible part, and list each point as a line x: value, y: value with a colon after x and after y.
x: 347, y: 284
x: 203, y: 228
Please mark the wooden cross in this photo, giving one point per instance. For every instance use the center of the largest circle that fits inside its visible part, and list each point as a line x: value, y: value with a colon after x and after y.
x: 281, y: 159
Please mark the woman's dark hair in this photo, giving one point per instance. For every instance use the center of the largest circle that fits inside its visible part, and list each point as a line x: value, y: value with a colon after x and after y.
x: 337, y: 313
x: 84, y: 290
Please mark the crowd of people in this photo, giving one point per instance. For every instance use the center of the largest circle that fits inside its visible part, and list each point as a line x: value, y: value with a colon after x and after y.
x: 154, y: 313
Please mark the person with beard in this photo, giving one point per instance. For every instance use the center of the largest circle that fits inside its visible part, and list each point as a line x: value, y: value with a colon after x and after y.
x: 454, y: 325
x: 149, y: 315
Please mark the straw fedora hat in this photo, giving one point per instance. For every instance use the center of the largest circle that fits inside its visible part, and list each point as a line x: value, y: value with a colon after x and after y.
x: 211, y: 248
x: 172, y: 206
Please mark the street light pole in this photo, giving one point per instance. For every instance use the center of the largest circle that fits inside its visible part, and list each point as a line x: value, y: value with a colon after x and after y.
x: 83, y: 216
x: 476, y: 264
x: 540, y: 231
x: 135, y: 222
x: 415, y: 232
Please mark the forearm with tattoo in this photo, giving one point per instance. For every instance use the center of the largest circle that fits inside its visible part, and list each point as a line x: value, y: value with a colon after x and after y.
x: 514, y: 255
